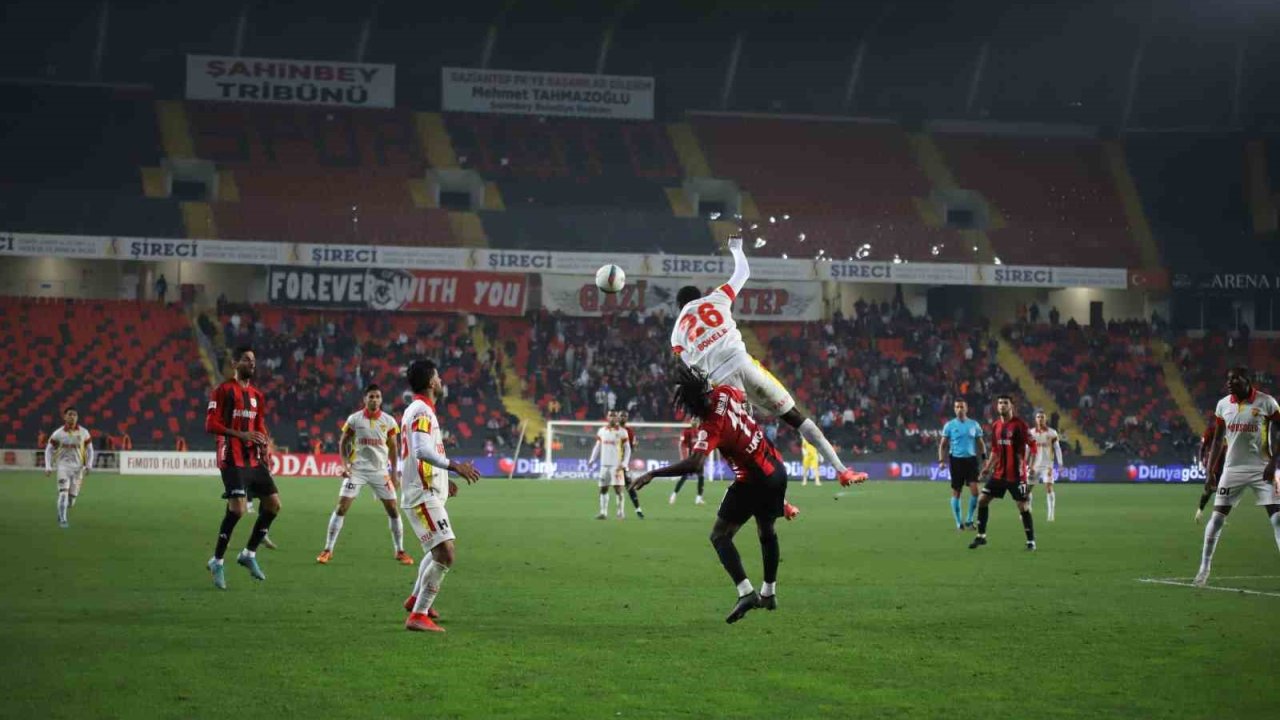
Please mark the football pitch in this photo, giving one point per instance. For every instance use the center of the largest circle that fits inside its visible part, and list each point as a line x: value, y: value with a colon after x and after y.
x: 883, y: 611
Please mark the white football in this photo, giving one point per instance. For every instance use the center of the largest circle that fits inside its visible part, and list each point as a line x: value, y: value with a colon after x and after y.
x: 610, y: 278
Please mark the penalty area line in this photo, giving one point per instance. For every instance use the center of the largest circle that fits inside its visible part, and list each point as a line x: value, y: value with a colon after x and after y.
x: 1179, y: 583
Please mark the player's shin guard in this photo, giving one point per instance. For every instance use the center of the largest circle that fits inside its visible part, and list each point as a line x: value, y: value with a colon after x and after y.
x: 229, y: 521
x: 1212, y: 530
x: 771, y: 554
x: 397, y: 531
x: 260, y: 529
x: 1027, y: 527
x: 729, y: 557
x: 983, y: 512
x: 335, y: 527
x: 815, y: 437
x: 955, y: 510
x: 431, y: 575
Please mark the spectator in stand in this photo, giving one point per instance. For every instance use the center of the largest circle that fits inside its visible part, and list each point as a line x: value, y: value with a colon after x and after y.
x: 161, y: 288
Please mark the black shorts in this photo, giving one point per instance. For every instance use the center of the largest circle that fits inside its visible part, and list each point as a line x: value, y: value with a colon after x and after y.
x: 997, y: 489
x: 247, y: 482
x: 963, y: 471
x: 760, y: 498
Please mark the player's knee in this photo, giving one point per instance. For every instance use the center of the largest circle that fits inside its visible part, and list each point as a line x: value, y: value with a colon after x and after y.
x: 444, y: 554
x: 271, y: 506
x: 1272, y: 510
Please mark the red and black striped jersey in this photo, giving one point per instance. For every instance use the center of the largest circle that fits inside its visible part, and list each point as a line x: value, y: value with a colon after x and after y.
x: 688, y: 436
x: 240, y: 408
x: 1010, y: 438
x: 729, y: 428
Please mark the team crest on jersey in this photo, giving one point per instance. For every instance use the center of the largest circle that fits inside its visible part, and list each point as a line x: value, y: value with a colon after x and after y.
x: 253, y: 402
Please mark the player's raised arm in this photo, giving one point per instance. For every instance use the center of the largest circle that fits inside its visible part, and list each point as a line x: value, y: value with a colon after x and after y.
x: 686, y: 466
x: 741, y: 270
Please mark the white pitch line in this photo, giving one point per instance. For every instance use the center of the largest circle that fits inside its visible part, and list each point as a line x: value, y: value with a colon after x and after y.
x: 1159, y: 581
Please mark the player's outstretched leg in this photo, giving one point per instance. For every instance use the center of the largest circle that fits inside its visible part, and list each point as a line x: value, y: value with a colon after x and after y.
x: 809, y: 430
x: 1212, y: 531
x: 635, y: 499
x: 771, y: 555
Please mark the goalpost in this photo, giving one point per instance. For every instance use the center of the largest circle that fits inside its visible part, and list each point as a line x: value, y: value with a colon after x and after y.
x: 569, y: 444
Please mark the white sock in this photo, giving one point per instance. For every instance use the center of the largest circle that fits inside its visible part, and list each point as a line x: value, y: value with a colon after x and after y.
x: 430, y: 587
x: 335, y: 527
x: 73, y: 500
x: 397, y: 531
x: 818, y: 440
x: 604, y: 503
x: 1212, y: 530
x: 1052, y: 500
x: 62, y: 506
x: 422, y: 570
x: 248, y: 553
x: 216, y: 560
x: 768, y: 589
x: 1275, y: 525
x: 744, y: 588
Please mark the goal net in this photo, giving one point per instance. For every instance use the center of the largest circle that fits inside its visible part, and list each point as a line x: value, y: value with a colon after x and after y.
x: 569, y: 444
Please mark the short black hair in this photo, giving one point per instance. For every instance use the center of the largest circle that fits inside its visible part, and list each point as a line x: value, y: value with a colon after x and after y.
x: 687, y: 294
x: 1004, y: 396
x: 372, y: 387
x: 1242, y: 371
x: 70, y: 408
x: 419, y: 374
x: 240, y: 351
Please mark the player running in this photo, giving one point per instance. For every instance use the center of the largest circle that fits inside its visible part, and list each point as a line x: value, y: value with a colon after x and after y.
x: 626, y: 471
x: 70, y: 450
x: 706, y: 337
x: 614, y: 450
x: 1046, y: 461
x: 688, y: 437
x: 236, y: 416
x: 759, y: 489
x: 367, y: 447
x: 809, y: 464
x: 1247, y: 420
x: 1007, y: 468
x: 960, y: 447
x: 1212, y: 472
x: 425, y: 489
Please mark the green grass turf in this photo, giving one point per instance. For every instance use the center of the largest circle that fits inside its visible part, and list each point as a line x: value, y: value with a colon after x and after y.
x: 883, y: 611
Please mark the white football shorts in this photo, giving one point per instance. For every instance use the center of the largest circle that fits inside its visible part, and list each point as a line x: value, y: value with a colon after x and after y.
x: 761, y: 387
x: 430, y: 522
x: 379, y: 483
x: 69, y: 478
x: 611, y: 476
x: 1231, y: 488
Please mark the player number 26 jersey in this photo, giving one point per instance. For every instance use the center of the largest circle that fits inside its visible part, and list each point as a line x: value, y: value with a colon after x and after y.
x: 419, y: 481
x: 706, y: 336
x: 1247, y: 424
x: 370, y: 432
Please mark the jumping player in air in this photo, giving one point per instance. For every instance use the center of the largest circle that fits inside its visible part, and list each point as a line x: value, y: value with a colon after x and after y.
x: 706, y: 337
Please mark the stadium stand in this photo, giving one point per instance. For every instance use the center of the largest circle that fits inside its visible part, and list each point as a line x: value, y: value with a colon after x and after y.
x: 1110, y: 380
x: 130, y: 369
x: 313, y: 366
x: 1055, y: 195
x: 847, y: 189
x: 73, y: 159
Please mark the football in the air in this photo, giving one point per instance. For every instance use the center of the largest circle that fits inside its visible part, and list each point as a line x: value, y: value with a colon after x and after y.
x: 610, y: 278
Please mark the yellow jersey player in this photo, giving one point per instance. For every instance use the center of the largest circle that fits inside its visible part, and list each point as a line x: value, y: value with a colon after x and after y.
x: 425, y: 487
x: 70, y: 451
x: 368, y: 449
x: 809, y: 464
